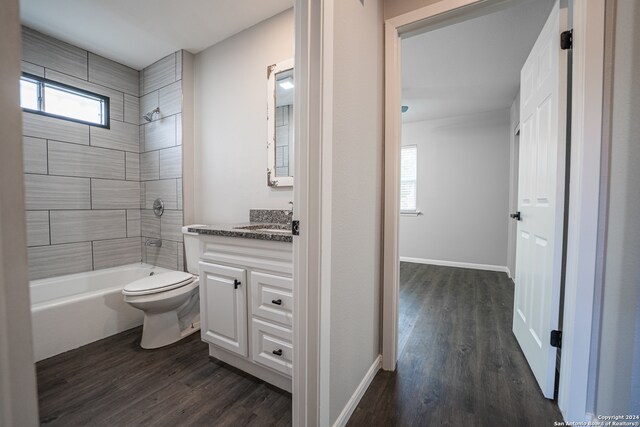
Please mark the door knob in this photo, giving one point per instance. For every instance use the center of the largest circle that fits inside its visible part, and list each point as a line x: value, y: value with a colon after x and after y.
x: 516, y: 216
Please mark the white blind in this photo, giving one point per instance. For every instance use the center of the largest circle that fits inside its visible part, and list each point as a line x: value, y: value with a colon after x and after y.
x: 408, y: 177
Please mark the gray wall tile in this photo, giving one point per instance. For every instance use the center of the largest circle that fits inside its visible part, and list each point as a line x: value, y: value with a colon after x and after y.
x: 160, y: 134
x: 84, y: 226
x: 149, y: 224
x: 171, y: 225
x: 58, y: 260
x: 116, y: 98
x: 35, y: 155
x: 111, y: 74
x: 181, y: 260
x: 132, y: 166
x: 109, y: 194
x: 39, y: 126
x: 121, y: 136
x: 179, y: 192
x: 44, y: 192
x: 165, y: 256
x: 133, y: 223
x: 148, y: 103
x: 142, y: 195
x: 79, y: 160
x: 141, y: 136
x: 160, y: 74
x: 51, y: 53
x: 131, y: 109
x: 164, y: 189
x: 36, y: 70
x: 179, y: 65
x: 149, y: 166
x: 179, y: 129
x: 112, y: 253
x: 37, y: 228
x: 171, y: 163
x: 171, y: 99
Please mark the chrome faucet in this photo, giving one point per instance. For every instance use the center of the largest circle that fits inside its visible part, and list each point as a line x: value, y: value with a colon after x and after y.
x: 156, y: 243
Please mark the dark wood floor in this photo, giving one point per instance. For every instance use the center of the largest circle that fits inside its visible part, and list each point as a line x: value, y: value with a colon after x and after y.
x: 113, y: 382
x: 459, y: 363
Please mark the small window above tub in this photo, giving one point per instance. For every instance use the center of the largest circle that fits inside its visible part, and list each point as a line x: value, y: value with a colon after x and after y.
x: 49, y: 98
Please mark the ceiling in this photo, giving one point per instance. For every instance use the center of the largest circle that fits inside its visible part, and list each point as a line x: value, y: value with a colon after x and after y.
x: 139, y: 32
x: 472, y: 66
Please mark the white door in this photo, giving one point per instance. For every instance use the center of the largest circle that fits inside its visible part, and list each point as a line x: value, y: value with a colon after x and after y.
x: 223, y: 306
x: 541, y: 185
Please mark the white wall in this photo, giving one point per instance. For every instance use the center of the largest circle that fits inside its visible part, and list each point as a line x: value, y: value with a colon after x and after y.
x: 356, y: 193
x: 230, y: 127
x: 618, y: 387
x: 18, y: 395
x: 463, y: 190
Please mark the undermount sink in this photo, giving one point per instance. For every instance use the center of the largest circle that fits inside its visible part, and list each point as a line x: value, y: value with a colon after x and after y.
x: 269, y: 228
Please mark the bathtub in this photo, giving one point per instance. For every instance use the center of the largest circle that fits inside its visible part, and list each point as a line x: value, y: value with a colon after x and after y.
x: 70, y: 311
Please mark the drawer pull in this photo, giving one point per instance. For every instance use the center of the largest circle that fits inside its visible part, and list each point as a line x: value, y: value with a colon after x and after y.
x: 276, y: 301
x: 277, y: 352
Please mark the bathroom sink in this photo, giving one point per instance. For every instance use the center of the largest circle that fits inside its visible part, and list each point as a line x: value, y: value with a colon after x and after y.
x: 268, y: 228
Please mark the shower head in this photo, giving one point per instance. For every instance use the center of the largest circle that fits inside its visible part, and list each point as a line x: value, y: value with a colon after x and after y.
x: 149, y: 116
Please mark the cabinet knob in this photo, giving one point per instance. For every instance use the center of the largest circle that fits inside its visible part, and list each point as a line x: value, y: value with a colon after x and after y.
x: 276, y: 301
x: 236, y: 283
x: 277, y: 352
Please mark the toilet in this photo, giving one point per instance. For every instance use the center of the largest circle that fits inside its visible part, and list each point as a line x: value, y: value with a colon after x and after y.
x: 170, y: 301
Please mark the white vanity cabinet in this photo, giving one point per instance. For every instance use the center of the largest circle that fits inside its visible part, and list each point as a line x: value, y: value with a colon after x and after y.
x: 246, y: 305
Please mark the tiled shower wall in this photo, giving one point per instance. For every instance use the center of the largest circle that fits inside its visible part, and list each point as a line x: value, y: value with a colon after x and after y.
x: 161, y: 161
x: 82, y: 183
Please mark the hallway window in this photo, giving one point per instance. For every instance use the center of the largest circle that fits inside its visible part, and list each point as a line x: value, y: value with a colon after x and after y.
x: 408, y: 178
x: 42, y: 96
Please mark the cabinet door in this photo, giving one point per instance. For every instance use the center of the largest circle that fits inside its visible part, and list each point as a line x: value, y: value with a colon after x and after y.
x: 223, y: 306
x: 271, y: 297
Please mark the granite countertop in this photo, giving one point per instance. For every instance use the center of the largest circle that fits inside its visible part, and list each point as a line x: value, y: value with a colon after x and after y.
x: 248, y: 230
x: 264, y: 224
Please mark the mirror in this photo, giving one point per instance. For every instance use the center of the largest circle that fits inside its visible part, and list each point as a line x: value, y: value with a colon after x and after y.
x: 280, y: 94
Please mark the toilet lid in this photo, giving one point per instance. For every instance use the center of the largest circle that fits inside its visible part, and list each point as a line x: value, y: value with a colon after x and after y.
x: 158, y: 283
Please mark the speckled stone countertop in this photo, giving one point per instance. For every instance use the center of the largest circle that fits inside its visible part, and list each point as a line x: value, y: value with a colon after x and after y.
x: 265, y: 224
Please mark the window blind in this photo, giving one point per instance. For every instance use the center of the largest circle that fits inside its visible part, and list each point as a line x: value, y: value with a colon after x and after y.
x: 408, y: 178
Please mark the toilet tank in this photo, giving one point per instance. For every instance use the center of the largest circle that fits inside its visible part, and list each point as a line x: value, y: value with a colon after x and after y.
x: 191, y: 249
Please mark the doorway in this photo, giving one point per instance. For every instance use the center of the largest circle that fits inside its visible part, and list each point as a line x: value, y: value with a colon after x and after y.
x: 438, y: 15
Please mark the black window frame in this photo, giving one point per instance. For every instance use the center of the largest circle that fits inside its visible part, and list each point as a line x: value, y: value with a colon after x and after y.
x: 41, y: 82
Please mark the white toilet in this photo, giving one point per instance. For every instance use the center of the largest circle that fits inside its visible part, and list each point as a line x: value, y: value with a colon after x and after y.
x: 170, y: 301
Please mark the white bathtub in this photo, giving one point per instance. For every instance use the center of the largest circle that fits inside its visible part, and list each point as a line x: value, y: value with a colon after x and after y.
x: 70, y: 311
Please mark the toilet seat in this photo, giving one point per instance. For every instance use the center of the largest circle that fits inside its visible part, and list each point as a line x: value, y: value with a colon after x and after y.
x: 158, y: 283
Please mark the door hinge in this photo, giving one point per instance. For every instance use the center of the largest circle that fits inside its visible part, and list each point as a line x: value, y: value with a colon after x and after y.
x: 566, y: 40
x: 295, y: 227
x: 556, y: 339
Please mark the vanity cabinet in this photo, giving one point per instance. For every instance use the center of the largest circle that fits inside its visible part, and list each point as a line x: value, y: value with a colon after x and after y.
x: 246, y: 305
x: 223, y: 310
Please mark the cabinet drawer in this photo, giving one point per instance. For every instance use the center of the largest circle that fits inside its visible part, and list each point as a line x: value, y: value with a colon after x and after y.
x: 272, y: 346
x: 271, y: 297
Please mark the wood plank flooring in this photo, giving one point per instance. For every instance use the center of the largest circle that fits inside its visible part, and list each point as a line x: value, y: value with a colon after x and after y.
x: 459, y: 363
x: 113, y: 382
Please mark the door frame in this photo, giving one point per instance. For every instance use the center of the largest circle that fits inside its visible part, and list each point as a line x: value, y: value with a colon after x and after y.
x: 584, y: 244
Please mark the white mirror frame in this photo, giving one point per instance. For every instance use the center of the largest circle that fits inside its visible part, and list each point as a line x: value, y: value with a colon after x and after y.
x: 272, y: 179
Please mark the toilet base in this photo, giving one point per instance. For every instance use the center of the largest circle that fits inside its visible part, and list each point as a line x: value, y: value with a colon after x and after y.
x: 162, y: 329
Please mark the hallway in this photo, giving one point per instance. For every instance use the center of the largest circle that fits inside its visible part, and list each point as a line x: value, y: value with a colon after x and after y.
x: 459, y: 363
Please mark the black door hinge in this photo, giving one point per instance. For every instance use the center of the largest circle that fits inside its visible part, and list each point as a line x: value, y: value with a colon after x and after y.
x: 566, y: 40
x: 295, y: 227
x: 556, y: 339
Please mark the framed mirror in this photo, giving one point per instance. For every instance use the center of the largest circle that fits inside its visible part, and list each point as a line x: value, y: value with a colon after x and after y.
x: 280, y: 90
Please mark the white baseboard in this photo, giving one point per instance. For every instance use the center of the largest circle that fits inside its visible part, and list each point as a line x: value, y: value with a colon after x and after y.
x: 488, y: 267
x: 509, y: 273
x: 357, y: 395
